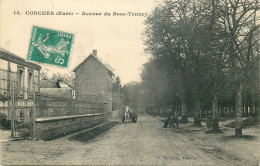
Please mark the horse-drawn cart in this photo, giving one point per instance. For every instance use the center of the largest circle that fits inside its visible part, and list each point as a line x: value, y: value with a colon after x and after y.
x: 131, y: 117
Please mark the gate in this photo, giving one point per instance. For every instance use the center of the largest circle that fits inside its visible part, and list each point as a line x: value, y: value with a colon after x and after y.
x: 22, y: 109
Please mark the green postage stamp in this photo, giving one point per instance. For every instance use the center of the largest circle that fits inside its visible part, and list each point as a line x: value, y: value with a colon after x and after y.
x: 50, y: 46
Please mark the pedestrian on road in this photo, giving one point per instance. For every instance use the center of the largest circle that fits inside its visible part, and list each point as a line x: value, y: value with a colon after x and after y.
x: 168, y: 121
x: 177, y: 122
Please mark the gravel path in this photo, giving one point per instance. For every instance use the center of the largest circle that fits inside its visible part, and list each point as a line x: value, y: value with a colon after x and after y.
x: 141, y: 143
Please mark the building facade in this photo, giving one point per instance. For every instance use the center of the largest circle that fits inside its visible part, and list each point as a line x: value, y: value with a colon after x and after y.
x: 93, y: 78
x: 17, y: 73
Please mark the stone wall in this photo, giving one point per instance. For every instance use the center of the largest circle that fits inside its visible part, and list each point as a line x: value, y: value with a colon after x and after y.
x: 50, y: 128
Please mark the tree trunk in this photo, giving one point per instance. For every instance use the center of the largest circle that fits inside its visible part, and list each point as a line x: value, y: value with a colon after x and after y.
x: 215, y: 127
x: 243, y: 109
x: 239, y: 111
x: 228, y: 110
x: 176, y: 111
x: 250, y: 110
x: 256, y: 110
x: 197, y: 121
x: 184, y: 118
x: 253, y: 107
x: 246, y: 109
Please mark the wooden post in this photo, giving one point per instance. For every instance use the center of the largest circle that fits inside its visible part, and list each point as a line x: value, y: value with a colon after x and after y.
x: 33, y: 135
x: 12, y: 111
x: 9, y: 89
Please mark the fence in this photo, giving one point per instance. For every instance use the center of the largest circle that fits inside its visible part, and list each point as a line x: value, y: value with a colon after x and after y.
x: 25, y: 107
x: 51, y: 106
x: 21, y: 111
x: 58, y: 116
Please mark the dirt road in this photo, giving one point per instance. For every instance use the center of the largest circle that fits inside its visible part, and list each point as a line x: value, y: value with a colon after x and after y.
x: 141, y: 143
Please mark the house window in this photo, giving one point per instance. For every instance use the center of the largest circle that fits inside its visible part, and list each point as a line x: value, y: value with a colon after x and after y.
x: 20, y: 77
x: 73, y: 93
x: 30, y: 81
x: 20, y: 80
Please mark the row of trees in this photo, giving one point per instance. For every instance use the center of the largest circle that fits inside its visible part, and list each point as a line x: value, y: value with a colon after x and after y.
x: 204, y: 53
x: 129, y: 93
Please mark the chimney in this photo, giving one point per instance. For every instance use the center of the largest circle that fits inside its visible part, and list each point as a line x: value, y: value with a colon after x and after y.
x: 94, y: 52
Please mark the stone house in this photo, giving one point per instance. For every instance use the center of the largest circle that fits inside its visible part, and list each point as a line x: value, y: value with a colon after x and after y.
x: 93, y: 78
x: 16, y: 72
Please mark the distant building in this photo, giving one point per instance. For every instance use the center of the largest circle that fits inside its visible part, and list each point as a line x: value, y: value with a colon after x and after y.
x: 63, y: 84
x: 92, y: 77
x: 57, y: 88
x: 16, y: 72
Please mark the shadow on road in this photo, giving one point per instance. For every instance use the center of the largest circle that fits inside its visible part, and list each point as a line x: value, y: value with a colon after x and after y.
x: 87, y: 135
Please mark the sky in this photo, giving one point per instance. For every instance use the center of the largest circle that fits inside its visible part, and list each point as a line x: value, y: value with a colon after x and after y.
x: 117, y: 39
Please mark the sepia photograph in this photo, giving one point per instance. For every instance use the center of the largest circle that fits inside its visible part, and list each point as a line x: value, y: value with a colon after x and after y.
x: 130, y: 82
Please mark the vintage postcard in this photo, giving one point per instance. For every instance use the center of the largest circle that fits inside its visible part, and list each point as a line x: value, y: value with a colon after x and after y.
x: 129, y: 82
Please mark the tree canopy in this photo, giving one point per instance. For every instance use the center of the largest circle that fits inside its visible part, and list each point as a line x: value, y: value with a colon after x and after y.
x: 203, y: 53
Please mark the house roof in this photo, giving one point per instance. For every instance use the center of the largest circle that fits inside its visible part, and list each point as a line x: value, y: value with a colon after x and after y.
x: 65, y: 82
x: 95, y: 57
x: 54, y: 84
x: 11, y: 57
